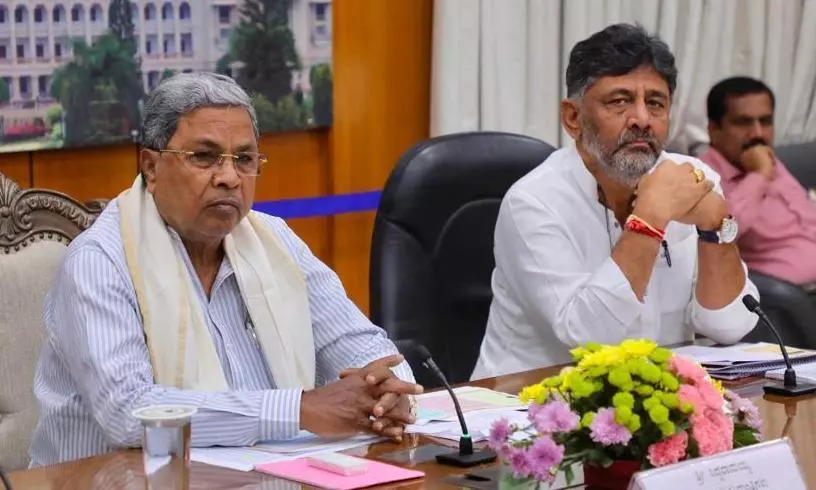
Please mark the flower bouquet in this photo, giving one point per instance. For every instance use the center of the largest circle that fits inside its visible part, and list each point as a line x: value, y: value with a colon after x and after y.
x: 621, y: 409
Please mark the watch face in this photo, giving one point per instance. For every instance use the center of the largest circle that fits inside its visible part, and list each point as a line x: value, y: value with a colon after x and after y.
x: 728, y: 232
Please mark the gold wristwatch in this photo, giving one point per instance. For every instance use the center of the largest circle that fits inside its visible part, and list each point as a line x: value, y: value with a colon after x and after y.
x: 413, y: 406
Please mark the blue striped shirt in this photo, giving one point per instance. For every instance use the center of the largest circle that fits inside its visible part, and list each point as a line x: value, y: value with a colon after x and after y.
x: 94, y: 369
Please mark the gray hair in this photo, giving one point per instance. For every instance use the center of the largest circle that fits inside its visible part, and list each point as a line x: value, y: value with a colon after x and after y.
x: 184, y: 93
x: 617, y: 50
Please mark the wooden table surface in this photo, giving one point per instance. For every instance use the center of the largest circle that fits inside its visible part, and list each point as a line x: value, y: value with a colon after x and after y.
x: 795, y: 418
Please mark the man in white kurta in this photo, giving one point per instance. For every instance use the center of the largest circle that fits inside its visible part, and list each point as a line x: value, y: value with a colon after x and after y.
x: 556, y: 286
x: 612, y: 237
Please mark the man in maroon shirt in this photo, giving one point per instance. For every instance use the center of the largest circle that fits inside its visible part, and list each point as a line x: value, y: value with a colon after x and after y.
x: 777, y: 221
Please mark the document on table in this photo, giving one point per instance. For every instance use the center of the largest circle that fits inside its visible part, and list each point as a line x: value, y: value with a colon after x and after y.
x: 478, y: 423
x: 438, y: 405
x: 739, y: 353
x: 804, y: 372
x: 305, y: 444
x: 743, y: 359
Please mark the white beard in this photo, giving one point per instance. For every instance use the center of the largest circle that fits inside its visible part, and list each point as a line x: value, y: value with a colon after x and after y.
x: 623, y: 165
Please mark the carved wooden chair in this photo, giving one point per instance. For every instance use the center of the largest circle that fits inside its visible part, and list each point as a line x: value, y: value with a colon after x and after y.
x: 36, y: 225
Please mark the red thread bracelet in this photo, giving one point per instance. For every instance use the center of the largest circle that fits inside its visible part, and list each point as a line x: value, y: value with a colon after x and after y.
x: 636, y: 224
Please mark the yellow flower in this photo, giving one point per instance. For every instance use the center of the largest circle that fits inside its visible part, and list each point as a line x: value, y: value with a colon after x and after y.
x: 667, y: 428
x: 669, y: 400
x: 622, y: 415
x: 579, y: 353
x: 718, y: 384
x: 607, y: 356
x: 634, y: 423
x: 659, y: 414
x: 594, y: 346
x: 644, y: 390
x: 687, y: 408
x: 669, y: 382
x: 651, y: 402
x: 660, y: 355
x: 649, y: 372
x: 553, y: 381
x: 623, y: 399
x: 637, y: 347
x: 581, y: 388
x: 566, y: 375
x: 597, y: 371
x: 536, y: 393
x: 620, y: 377
x: 587, y: 419
x: 634, y: 365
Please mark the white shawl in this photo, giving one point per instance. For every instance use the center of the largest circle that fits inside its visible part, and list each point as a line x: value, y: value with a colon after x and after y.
x: 181, y: 348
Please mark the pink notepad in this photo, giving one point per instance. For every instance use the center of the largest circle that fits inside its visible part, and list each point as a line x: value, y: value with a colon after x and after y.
x: 299, y: 470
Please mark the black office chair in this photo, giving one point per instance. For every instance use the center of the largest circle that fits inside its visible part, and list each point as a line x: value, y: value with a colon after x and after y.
x: 432, y: 250
x: 790, y: 309
x: 787, y: 305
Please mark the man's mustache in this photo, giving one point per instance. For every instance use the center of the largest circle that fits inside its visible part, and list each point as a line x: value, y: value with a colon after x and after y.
x: 754, y: 142
x: 644, y: 135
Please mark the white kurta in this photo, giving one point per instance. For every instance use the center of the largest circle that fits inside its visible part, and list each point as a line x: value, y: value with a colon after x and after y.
x: 555, y: 285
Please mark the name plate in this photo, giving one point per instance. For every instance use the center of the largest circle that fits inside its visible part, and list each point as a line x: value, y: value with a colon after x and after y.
x: 769, y: 465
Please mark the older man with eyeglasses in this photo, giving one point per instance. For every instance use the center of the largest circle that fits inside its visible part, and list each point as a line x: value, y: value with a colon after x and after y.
x: 180, y: 294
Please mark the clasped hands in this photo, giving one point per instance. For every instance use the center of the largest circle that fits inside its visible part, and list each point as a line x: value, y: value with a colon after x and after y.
x: 371, y: 398
x: 679, y: 192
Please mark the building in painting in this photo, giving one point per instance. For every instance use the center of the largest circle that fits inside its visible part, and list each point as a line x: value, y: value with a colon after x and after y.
x: 176, y: 35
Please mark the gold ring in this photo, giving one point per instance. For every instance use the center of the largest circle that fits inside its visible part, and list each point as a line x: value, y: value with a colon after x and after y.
x: 699, y: 176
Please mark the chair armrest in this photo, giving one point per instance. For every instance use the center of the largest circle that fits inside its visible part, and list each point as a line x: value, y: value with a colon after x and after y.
x: 790, y: 307
x: 778, y: 293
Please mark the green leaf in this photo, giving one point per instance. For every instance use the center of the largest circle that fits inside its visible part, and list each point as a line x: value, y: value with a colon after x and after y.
x: 597, y: 457
x: 569, y: 475
x: 744, y: 436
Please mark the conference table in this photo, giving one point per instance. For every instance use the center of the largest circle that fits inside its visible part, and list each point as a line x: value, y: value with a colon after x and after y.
x: 794, y: 418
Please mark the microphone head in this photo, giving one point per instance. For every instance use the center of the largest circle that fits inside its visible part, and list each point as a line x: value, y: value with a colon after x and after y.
x: 750, y: 302
x: 422, y: 353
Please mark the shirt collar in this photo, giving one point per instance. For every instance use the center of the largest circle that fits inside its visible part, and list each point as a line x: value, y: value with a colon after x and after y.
x: 224, y: 271
x: 585, y: 180
x: 727, y: 170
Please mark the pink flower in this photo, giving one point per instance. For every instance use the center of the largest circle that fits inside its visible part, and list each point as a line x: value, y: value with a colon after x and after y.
x: 500, y: 431
x: 689, y: 394
x: 746, y: 412
x: 669, y: 450
x: 713, y: 431
x: 554, y: 416
x: 687, y: 369
x: 710, y: 427
x: 710, y: 395
x: 606, y: 431
x: 519, y: 463
x: 542, y: 456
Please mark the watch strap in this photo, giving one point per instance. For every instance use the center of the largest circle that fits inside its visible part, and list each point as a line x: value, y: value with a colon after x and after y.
x: 708, y: 236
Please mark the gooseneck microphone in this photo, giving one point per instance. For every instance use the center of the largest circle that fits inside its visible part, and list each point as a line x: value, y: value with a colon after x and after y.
x: 466, y: 456
x: 790, y: 386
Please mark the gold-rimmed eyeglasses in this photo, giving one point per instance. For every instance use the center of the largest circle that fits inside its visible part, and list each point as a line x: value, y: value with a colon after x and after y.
x: 246, y: 163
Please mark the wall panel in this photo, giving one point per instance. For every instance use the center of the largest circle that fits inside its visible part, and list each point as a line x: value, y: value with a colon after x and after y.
x: 299, y: 167
x: 382, y: 60
x: 16, y: 167
x: 86, y: 173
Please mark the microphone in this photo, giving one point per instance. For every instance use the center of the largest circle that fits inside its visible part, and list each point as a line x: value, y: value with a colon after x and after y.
x: 466, y: 456
x: 790, y: 387
x: 4, y: 479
